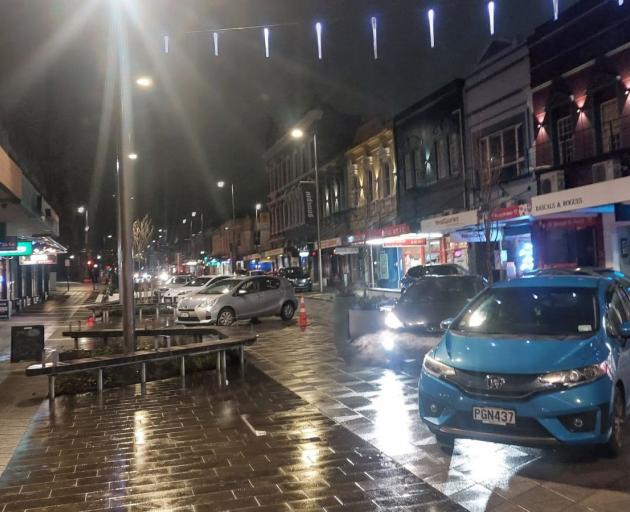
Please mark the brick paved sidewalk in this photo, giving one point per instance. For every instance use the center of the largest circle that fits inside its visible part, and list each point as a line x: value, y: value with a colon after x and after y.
x: 177, y: 448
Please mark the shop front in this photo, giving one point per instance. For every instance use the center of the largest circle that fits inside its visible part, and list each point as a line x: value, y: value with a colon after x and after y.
x: 583, y: 226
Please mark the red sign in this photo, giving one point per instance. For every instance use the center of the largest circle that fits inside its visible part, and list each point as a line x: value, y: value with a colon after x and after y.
x: 511, y: 212
x: 571, y: 223
x: 405, y: 242
x: 387, y: 231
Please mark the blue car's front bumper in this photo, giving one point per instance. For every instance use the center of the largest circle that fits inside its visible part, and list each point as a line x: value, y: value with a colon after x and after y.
x: 540, y: 419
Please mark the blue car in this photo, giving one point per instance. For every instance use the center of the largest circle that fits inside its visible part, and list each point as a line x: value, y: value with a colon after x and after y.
x: 533, y: 361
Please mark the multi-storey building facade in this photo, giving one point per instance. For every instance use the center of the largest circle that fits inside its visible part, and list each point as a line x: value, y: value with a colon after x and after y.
x: 580, y: 78
x: 290, y: 167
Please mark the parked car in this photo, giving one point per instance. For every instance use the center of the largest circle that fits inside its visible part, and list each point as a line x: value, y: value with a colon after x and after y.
x: 425, y: 303
x: 419, y: 271
x: 540, y: 360
x: 300, y: 280
x: 173, y: 282
x: 194, y: 285
x: 622, y: 278
x: 238, y: 298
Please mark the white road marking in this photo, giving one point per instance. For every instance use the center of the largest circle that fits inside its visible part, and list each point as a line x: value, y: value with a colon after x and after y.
x: 257, y: 433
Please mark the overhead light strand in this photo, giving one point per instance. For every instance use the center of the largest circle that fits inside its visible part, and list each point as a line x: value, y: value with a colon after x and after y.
x: 374, y: 38
x: 318, y: 31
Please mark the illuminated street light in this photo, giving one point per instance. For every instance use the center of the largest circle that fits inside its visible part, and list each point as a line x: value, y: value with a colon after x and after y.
x: 297, y: 133
x: 110, y: 236
x: 145, y: 82
x: 133, y: 156
x: 258, y: 206
x: 81, y: 209
x: 184, y: 221
x: 194, y: 214
x: 221, y: 184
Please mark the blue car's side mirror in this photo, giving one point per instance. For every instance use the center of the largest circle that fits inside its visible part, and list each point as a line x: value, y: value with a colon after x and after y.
x: 624, y: 329
x: 445, y: 324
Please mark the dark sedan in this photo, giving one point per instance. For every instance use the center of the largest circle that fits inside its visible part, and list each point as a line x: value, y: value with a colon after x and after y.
x: 434, y: 298
x: 300, y: 280
x: 418, y: 272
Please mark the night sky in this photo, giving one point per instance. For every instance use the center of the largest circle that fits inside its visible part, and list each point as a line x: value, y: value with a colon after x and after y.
x: 210, y: 118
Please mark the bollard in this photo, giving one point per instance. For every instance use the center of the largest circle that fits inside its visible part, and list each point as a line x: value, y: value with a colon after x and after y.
x: 140, y: 313
x: 143, y: 373
x: 54, y: 356
x: 183, y: 366
x: 51, y: 387
x: 156, y: 343
x: 242, y: 356
x: 99, y: 380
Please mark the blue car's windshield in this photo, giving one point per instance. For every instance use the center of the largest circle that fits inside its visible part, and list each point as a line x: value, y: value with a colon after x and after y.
x: 543, y: 311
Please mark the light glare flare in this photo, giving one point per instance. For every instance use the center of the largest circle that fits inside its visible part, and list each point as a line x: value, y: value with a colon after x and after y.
x: 166, y: 44
x: 215, y: 39
x: 556, y: 9
x: 144, y: 81
x: 133, y: 156
x: 431, y: 15
x: 491, y: 16
x: 297, y: 133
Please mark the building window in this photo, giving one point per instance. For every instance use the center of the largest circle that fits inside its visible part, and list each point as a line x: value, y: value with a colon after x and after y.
x: 408, y: 171
x: 386, y: 174
x: 418, y: 162
x: 336, y: 197
x: 566, y: 139
x: 503, y: 149
x: 611, y: 126
x: 442, y: 159
x: 454, y: 153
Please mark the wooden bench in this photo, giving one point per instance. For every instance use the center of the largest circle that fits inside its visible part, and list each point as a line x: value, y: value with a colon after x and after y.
x: 220, y: 346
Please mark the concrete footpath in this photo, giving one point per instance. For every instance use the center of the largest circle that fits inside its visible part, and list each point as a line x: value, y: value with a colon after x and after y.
x: 20, y: 396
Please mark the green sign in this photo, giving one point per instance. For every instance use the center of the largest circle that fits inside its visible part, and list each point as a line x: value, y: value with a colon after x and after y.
x: 23, y: 249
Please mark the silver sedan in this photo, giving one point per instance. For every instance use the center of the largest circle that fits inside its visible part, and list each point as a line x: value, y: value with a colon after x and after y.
x: 238, y: 298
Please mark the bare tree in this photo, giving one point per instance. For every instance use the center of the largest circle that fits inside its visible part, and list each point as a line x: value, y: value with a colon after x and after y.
x: 142, y: 236
x: 488, y: 200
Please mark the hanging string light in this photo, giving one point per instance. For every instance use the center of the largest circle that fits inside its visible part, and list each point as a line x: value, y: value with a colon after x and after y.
x: 318, y: 31
x: 215, y: 38
x: 374, y: 39
x: 556, y: 9
x: 266, y: 36
x: 431, y: 15
x: 166, y: 41
x: 491, y: 16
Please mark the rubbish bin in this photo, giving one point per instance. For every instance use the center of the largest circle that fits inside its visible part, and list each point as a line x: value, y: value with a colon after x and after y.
x: 27, y: 343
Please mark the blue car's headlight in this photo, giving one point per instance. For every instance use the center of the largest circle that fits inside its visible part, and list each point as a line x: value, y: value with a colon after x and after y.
x: 569, y: 378
x: 437, y: 368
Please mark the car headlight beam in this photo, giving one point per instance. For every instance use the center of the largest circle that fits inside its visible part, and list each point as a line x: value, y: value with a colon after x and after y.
x: 392, y: 321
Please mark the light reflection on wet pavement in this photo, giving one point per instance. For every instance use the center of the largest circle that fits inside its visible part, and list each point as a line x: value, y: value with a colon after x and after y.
x: 373, y: 392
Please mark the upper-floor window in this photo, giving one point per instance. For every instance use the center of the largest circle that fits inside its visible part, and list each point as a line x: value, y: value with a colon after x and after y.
x: 611, y: 126
x: 566, y: 139
x: 455, y: 153
x: 408, y: 171
x: 418, y: 162
x: 441, y: 150
x: 502, y: 149
x: 386, y: 174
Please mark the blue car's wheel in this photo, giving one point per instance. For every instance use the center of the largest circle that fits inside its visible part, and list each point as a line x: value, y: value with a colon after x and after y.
x: 618, y: 413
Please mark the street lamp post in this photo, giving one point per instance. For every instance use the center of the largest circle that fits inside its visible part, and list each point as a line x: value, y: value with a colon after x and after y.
x: 84, y: 211
x: 257, y: 208
x: 221, y: 184
x: 298, y: 133
x: 124, y: 146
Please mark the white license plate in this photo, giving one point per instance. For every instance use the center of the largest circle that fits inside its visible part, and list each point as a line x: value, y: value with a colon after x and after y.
x: 184, y: 315
x: 494, y: 416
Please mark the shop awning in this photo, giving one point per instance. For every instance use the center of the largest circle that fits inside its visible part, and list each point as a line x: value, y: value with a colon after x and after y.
x: 271, y: 253
x: 331, y: 243
x: 588, y: 196
x: 448, y: 223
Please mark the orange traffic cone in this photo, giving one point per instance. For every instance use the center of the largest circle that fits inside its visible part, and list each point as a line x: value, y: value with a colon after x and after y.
x: 303, y: 321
